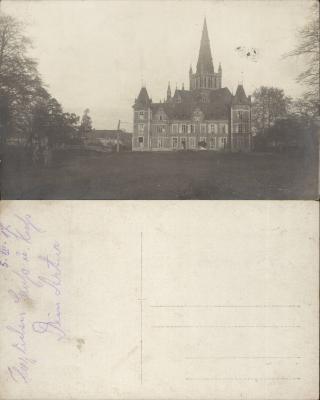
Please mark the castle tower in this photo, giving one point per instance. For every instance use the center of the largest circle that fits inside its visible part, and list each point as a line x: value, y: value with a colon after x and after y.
x: 240, y: 121
x: 205, y: 77
x: 141, y: 121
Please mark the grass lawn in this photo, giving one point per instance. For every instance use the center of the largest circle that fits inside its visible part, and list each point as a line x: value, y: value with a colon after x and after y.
x: 181, y: 175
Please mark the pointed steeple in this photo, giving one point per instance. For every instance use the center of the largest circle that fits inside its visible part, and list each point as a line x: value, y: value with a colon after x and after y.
x: 169, y: 92
x: 240, y: 96
x: 205, y: 64
x: 143, y: 98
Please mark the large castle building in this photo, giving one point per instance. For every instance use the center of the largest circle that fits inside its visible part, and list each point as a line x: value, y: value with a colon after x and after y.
x: 207, y: 116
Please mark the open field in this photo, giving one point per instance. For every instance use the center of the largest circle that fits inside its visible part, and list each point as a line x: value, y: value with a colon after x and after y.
x: 181, y: 175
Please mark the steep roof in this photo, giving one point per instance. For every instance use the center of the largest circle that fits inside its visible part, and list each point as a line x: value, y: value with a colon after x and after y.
x: 217, y: 107
x: 240, y: 96
x: 205, y: 63
x: 143, y: 98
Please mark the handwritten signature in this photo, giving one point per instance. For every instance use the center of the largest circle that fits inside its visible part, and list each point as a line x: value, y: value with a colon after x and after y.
x: 31, y: 272
x: 21, y: 367
x: 27, y: 279
x: 23, y: 232
x: 53, y: 327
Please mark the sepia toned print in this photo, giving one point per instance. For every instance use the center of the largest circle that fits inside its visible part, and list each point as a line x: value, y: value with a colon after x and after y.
x: 205, y: 117
x: 174, y: 100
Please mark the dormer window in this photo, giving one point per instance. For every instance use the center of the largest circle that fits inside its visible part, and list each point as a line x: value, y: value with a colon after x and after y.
x: 197, y: 115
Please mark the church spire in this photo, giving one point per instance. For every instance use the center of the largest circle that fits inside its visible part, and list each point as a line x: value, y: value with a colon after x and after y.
x: 205, y: 64
x: 169, y: 92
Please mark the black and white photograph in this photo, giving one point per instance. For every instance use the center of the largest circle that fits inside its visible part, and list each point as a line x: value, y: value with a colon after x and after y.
x: 167, y: 100
x: 106, y: 105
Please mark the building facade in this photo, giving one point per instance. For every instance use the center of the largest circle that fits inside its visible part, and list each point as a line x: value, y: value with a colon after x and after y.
x: 205, y: 117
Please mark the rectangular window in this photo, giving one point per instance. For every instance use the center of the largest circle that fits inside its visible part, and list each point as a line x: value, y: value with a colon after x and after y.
x: 174, y: 142
x: 192, y: 142
x: 141, y: 114
x: 160, y: 141
x: 183, y: 143
x: 223, y: 141
x: 213, y: 143
x: 191, y: 128
x: 213, y: 128
x: 140, y: 139
x: 174, y: 128
x: 140, y: 127
x: 184, y: 128
x: 203, y: 128
x: 160, y: 128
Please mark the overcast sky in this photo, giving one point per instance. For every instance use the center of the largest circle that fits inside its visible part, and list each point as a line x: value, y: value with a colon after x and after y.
x: 95, y: 53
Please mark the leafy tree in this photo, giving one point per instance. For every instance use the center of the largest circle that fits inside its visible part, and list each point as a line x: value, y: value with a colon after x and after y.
x: 49, y: 120
x: 269, y: 104
x: 304, y: 109
x: 70, y: 124
x: 287, y: 132
x: 20, y: 82
x: 26, y: 107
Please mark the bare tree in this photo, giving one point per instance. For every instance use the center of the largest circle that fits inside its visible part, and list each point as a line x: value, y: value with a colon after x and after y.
x: 308, y: 48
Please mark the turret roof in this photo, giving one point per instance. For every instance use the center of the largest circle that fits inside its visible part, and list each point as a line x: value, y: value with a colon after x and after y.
x: 240, y: 96
x: 143, y: 98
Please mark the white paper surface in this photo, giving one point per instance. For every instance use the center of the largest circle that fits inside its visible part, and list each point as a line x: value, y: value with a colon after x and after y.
x: 159, y: 300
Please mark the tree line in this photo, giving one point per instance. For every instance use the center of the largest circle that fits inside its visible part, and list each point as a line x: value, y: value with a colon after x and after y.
x: 27, y: 109
x: 281, y: 120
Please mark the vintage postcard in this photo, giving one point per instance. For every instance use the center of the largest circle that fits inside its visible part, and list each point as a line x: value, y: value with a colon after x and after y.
x: 164, y: 101
x: 154, y: 300
x: 168, y: 100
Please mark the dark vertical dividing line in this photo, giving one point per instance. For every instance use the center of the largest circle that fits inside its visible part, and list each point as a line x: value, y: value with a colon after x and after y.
x: 141, y: 308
